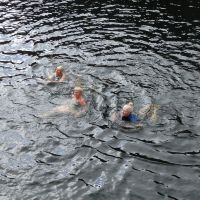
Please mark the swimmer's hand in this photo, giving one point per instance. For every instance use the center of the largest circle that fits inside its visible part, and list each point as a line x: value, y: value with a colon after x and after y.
x: 49, y: 78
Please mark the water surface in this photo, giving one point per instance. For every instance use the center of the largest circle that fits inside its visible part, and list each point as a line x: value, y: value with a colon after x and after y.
x: 120, y: 51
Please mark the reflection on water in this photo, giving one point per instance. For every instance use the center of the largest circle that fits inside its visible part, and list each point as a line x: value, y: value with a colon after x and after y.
x: 141, y: 51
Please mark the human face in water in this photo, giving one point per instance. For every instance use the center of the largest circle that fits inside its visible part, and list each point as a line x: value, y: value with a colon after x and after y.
x: 77, y: 94
x: 125, y: 112
x: 59, y: 72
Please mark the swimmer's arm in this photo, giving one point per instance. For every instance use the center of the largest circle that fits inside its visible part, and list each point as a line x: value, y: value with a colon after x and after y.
x: 144, y: 109
x: 113, y: 117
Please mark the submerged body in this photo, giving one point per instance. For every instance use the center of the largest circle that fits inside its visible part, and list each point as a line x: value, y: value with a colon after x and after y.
x: 131, y: 118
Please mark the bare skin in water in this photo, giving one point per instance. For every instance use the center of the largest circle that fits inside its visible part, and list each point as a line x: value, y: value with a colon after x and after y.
x: 149, y: 111
x: 126, y: 114
x: 76, y: 106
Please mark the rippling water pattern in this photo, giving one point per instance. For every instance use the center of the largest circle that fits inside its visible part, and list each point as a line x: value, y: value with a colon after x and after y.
x: 146, y: 51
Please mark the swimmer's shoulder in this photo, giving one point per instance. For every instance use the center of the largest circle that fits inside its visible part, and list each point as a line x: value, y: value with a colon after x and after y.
x: 82, y: 102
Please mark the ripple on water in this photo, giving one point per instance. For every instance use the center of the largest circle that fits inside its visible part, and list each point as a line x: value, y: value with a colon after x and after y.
x: 119, y: 52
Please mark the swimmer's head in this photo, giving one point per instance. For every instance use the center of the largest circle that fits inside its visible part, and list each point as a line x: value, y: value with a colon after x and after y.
x: 78, y: 92
x: 78, y: 89
x: 59, y: 70
x: 127, y: 109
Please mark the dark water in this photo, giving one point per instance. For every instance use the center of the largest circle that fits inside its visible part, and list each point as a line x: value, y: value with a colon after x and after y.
x: 145, y: 51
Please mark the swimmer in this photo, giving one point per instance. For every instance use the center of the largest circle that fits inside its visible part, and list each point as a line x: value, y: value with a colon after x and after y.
x: 77, y: 96
x: 126, y: 114
x: 76, y: 106
x: 58, y: 76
